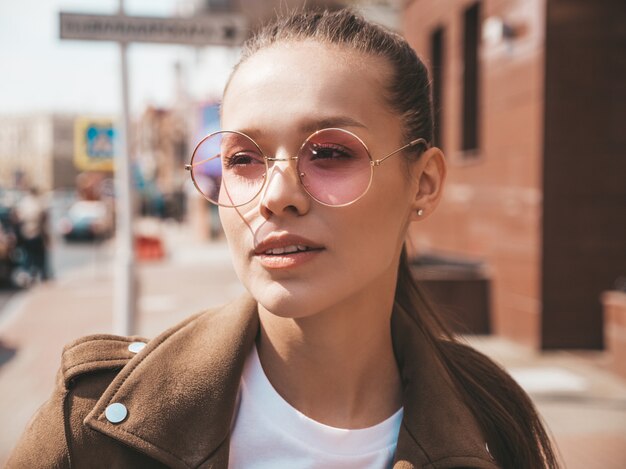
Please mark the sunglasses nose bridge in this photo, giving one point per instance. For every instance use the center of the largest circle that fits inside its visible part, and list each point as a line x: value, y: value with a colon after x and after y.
x: 282, y: 165
x: 288, y: 163
x: 273, y: 159
x: 282, y: 186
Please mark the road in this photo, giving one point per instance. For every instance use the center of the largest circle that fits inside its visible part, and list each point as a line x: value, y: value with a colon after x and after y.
x: 64, y: 257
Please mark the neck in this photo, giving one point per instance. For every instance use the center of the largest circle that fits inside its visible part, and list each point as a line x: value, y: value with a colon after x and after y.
x: 336, y: 366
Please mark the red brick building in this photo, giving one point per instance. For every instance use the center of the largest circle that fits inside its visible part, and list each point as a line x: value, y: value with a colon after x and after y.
x: 530, y: 101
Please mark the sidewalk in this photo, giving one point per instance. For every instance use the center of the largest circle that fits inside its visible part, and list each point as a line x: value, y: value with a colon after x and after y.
x: 584, y: 406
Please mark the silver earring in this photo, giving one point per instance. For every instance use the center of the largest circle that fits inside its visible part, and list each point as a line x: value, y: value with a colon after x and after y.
x: 420, y: 212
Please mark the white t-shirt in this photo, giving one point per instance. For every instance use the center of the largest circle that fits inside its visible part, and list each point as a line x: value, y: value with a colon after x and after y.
x: 269, y: 433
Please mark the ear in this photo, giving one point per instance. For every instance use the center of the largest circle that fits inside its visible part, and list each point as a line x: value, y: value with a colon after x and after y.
x: 430, y: 174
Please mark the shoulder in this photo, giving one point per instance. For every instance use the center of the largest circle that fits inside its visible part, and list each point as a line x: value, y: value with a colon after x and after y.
x: 158, y: 378
x: 477, y: 366
x: 87, y: 357
x: 104, y: 353
x: 465, y: 351
x: 88, y: 366
x: 505, y: 412
x: 479, y: 375
x: 97, y: 353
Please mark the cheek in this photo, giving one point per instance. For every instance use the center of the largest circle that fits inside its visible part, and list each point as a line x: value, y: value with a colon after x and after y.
x: 370, y: 234
x: 235, y: 232
x: 228, y: 224
x: 386, y: 215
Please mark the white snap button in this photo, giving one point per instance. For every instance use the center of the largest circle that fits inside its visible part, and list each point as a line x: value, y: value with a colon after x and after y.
x: 136, y: 347
x: 116, y: 413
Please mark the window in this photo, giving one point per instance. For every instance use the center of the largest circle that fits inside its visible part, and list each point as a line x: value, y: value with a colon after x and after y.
x: 436, y: 70
x: 470, y: 113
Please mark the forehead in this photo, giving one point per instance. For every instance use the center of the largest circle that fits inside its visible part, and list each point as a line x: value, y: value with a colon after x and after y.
x: 288, y: 84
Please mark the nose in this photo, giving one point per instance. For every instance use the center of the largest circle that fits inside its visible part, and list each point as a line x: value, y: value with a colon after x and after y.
x: 283, y: 192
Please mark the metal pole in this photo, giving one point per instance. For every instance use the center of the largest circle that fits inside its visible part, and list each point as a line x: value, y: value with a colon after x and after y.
x: 124, y: 294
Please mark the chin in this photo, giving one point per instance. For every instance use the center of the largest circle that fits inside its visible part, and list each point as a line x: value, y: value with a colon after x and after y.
x: 286, y: 302
x: 289, y: 301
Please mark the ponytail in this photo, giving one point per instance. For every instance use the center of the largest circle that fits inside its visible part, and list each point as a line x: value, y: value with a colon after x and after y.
x: 508, y: 418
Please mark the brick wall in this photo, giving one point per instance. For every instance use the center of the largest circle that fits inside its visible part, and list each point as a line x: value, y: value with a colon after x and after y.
x: 491, y: 208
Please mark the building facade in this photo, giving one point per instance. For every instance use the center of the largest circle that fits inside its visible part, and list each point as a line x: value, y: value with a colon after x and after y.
x: 37, y: 150
x: 527, y: 97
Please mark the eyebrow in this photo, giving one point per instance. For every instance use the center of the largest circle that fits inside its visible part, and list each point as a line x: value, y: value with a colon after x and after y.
x: 311, y: 125
x: 336, y: 121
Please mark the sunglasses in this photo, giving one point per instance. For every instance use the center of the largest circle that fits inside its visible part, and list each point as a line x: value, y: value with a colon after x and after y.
x: 333, y: 165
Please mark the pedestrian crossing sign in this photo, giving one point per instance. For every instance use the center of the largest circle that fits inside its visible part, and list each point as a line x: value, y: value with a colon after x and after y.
x: 94, y: 144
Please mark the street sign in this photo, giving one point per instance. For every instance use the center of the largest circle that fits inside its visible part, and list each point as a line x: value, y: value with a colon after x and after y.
x: 216, y: 29
x: 94, y: 143
x: 95, y: 140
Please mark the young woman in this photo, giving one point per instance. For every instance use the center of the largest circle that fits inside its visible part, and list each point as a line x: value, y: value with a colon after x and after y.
x: 334, y: 359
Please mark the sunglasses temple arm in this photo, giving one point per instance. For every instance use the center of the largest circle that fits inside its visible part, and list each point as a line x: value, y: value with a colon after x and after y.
x: 189, y: 167
x: 408, y: 145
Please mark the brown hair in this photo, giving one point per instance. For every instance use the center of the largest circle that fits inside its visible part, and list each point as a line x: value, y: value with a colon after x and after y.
x: 512, y: 427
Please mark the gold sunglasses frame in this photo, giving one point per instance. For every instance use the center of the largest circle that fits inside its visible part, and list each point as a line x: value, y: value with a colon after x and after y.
x: 373, y: 163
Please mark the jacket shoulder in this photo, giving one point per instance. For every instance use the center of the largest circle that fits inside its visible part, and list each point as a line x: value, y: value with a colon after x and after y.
x: 95, y: 353
x: 498, y: 399
x: 91, y: 354
x: 57, y: 435
x: 44, y: 442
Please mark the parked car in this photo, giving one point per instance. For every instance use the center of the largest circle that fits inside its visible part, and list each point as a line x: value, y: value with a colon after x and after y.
x: 87, y: 220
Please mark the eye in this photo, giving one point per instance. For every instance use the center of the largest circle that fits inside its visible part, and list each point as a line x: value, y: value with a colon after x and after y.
x: 329, y: 151
x: 242, y: 159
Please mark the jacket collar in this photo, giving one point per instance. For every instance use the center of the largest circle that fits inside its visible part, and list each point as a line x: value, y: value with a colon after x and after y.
x: 180, y: 392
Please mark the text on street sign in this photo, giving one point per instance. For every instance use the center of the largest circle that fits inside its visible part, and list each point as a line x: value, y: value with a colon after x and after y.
x: 223, y: 29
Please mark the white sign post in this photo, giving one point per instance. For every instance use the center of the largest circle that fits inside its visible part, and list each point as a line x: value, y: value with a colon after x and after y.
x: 125, y: 278
x: 214, y: 30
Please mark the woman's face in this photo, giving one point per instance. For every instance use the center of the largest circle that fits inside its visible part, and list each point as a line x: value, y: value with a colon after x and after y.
x: 279, y: 96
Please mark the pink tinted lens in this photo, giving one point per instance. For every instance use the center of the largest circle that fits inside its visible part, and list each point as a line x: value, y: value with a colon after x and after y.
x: 334, y: 167
x: 228, y: 168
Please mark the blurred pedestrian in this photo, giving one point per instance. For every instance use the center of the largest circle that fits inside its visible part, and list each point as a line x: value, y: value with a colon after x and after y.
x: 333, y: 358
x: 32, y: 235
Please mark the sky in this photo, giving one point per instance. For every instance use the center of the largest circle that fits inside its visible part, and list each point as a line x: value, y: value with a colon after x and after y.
x: 42, y: 73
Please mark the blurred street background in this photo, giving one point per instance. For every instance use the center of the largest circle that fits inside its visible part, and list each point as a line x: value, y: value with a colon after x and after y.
x: 526, y: 255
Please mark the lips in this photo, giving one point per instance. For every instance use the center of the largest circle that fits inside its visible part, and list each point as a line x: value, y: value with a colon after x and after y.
x: 283, y: 244
x: 285, y: 251
x: 288, y: 250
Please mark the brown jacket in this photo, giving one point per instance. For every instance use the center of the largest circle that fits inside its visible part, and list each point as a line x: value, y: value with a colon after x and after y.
x: 180, y: 392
